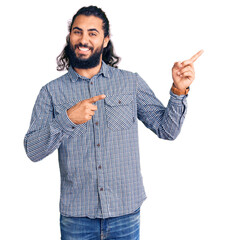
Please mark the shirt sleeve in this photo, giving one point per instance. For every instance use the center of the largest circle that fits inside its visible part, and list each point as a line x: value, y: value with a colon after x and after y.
x: 46, y: 131
x: 165, y: 122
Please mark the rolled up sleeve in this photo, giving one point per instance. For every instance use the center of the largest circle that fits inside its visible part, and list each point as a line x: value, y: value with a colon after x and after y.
x: 165, y: 122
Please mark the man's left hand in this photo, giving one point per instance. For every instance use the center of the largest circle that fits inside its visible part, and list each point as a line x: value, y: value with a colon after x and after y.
x: 183, y: 73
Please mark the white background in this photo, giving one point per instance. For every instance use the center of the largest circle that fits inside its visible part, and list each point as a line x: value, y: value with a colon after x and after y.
x: 185, y: 180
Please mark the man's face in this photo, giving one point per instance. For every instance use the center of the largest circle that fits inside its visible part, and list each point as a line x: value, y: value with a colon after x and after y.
x: 86, y: 42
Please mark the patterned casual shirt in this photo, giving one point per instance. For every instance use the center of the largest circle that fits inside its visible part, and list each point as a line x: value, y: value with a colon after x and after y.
x: 99, y: 160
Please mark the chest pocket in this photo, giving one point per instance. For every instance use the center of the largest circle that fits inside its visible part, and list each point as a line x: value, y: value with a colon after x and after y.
x: 63, y: 106
x: 119, y: 111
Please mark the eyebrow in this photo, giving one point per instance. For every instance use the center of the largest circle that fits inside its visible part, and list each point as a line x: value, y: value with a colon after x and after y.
x: 91, y: 29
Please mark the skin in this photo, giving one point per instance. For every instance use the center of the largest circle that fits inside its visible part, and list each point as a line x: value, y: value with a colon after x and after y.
x: 183, y: 73
x: 88, y: 30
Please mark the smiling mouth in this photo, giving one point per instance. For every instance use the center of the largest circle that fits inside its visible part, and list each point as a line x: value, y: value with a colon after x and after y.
x: 83, y: 49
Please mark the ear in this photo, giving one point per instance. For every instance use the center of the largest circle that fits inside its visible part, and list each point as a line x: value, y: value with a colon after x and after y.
x: 106, y: 40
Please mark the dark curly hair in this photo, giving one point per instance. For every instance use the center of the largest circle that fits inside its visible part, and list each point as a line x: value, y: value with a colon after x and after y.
x: 108, y: 55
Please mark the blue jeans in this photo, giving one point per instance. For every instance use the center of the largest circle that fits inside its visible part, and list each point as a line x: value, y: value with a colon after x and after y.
x: 125, y: 227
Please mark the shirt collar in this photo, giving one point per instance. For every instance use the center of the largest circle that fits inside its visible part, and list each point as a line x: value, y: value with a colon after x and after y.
x: 74, y: 75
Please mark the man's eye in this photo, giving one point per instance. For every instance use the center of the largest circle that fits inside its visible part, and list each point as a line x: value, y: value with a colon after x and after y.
x: 77, y: 32
x: 92, y: 34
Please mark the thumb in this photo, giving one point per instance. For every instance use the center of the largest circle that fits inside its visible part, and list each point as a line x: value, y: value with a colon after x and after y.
x: 177, y: 65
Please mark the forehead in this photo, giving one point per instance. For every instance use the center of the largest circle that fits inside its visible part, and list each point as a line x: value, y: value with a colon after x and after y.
x: 88, y: 22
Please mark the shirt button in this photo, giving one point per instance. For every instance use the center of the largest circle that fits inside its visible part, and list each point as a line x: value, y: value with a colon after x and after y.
x: 100, y: 167
x: 73, y: 127
x: 91, y: 82
x: 96, y: 123
x: 101, y: 189
x: 119, y: 101
x: 98, y: 145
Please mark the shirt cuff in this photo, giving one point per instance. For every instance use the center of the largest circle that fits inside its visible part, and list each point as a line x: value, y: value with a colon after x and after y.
x: 68, y: 126
x: 178, y: 99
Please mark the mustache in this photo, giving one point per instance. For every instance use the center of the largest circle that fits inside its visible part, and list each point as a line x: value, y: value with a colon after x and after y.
x: 81, y: 45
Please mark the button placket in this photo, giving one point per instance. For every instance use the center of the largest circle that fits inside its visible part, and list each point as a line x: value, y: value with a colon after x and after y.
x: 98, y: 148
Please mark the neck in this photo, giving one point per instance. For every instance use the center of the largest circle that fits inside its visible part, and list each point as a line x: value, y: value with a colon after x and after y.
x: 90, y: 72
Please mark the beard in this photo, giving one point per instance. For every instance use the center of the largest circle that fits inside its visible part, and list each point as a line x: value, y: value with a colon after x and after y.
x: 79, y: 62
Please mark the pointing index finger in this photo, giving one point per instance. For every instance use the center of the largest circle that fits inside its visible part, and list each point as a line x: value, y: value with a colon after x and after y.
x: 192, y: 59
x: 195, y: 57
x: 96, y: 98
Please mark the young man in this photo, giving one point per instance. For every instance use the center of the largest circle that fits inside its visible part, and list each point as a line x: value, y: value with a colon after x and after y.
x: 90, y: 115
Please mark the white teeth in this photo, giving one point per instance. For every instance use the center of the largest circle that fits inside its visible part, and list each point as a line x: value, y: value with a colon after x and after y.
x: 84, y: 49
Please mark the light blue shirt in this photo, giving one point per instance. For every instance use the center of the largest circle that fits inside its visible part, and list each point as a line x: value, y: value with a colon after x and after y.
x: 99, y: 160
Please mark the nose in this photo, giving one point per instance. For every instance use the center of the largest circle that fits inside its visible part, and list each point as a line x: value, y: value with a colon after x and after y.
x: 84, y: 39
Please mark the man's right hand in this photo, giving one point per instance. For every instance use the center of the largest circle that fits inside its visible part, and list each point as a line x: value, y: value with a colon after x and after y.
x: 84, y: 110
